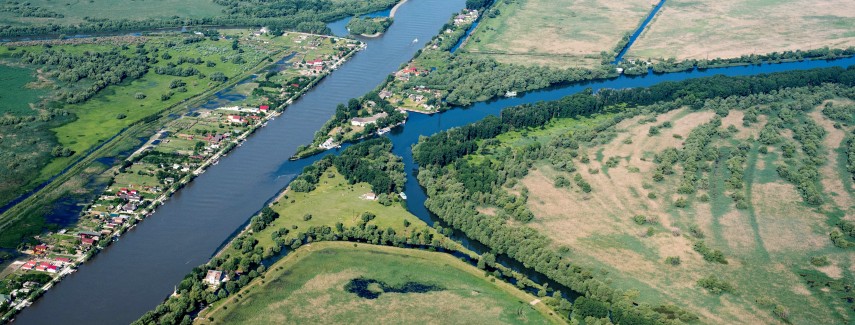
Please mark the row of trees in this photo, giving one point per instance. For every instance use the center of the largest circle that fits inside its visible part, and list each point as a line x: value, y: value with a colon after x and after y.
x: 640, y: 67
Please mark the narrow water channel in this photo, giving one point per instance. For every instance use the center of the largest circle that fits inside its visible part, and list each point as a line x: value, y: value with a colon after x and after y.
x: 135, y: 274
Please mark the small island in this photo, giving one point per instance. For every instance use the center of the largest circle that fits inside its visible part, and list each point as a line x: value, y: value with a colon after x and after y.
x: 369, y: 27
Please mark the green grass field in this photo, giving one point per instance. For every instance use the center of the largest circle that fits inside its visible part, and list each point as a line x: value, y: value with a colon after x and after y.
x: 74, y: 11
x: 14, y: 93
x: 308, y: 287
x: 334, y: 200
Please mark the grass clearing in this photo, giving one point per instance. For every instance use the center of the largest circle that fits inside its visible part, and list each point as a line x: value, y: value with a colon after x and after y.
x: 688, y: 29
x: 556, y: 33
x: 75, y: 12
x: 334, y: 200
x: 15, y: 91
x: 308, y: 286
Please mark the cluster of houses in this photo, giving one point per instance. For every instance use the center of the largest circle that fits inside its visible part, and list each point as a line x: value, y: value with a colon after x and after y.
x: 468, y: 16
x: 410, y: 71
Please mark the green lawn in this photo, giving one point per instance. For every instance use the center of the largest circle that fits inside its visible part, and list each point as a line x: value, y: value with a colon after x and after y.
x: 308, y: 286
x: 334, y: 200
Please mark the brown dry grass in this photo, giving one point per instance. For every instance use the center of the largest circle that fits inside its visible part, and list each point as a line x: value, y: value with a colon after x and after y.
x: 688, y: 29
x: 683, y: 123
x: 786, y: 225
x: 558, y: 33
x: 831, y: 182
x: 737, y: 231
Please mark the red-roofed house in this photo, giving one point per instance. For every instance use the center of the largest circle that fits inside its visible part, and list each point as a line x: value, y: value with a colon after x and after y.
x: 264, y: 108
x: 236, y: 119
x: 63, y: 260
x: 29, y: 265
x: 40, y: 249
x: 87, y: 241
x: 315, y: 63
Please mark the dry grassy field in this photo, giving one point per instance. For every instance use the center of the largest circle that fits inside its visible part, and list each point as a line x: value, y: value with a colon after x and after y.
x: 768, y: 244
x: 689, y: 29
x: 556, y: 33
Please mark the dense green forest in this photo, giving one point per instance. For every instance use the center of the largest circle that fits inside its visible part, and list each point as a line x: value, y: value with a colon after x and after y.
x: 367, y: 161
x: 457, y: 187
x: 301, y: 15
x: 368, y: 26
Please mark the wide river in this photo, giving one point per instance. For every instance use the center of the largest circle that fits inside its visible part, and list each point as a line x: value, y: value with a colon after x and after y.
x: 138, y: 272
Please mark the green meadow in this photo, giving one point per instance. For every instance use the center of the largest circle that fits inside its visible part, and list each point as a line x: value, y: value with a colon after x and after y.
x: 310, y: 286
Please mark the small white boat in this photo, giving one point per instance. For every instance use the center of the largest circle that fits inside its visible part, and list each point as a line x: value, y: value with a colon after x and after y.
x: 415, y: 41
x: 403, y: 195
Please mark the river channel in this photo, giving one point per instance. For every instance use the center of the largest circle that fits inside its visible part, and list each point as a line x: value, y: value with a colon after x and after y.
x: 136, y: 273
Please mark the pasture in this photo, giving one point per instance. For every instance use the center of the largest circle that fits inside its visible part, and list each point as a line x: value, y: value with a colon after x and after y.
x: 776, y: 245
x: 556, y: 33
x: 686, y: 29
x: 77, y: 11
x: 325, y: 283
x: 334, y: 200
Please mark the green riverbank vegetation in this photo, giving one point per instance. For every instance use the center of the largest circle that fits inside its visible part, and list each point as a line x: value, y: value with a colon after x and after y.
x: 369, y: 25
x: 739, y: 171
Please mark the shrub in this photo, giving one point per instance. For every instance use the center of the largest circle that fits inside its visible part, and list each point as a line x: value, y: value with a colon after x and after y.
x: 696, y: 231
x: 715, y: 285
x: 673, y: 260
x: 639, y: 219
x: 782, y: 313
x: 820, y: 261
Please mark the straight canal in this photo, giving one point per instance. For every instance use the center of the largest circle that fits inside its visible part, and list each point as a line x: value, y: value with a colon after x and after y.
x: 137, y: 273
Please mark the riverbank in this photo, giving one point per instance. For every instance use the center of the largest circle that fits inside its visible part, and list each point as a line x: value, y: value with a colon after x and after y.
x: 395, y: 8
x: 104, y: 220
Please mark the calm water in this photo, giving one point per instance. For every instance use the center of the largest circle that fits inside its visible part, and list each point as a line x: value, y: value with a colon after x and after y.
x: 638, y: 32
x: 139, y: 271
x: 135, y: 274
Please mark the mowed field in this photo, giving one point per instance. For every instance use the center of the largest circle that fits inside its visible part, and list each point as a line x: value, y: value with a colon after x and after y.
x: 770, y: 243
x: 74, y: 11
x: 309, y: 287
x: 556, y: 33
x: 332, y: 201
x: 690, y: 29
